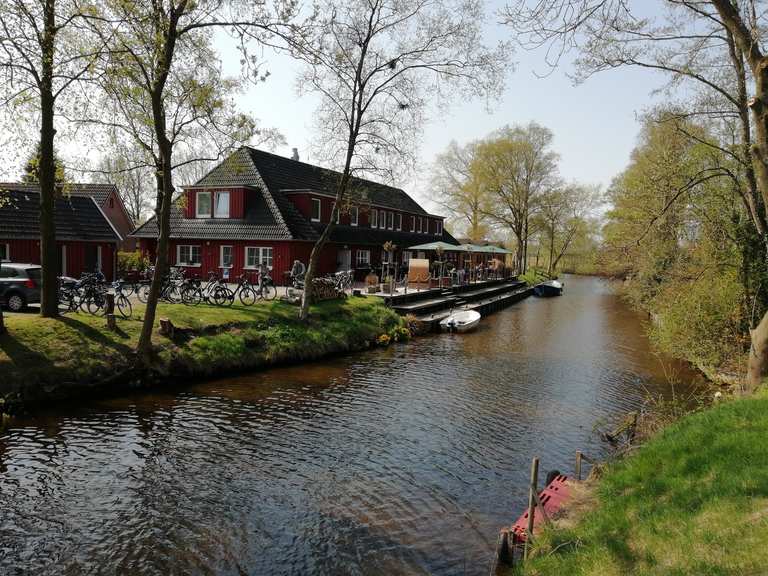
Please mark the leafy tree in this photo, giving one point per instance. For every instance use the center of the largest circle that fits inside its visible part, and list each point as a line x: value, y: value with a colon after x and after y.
x: 31, y: 173
x: 167, y: 94
x: 46, y: 49
x: 459, y: 193
x: 516, y: 166
x: 377, y: 66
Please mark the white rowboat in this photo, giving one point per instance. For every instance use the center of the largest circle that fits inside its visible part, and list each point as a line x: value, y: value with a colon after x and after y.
x: 463, y: 321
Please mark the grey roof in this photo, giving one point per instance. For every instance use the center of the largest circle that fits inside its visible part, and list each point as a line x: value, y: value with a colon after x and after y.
x: 256, y: 167
x: 376, y: 237
x: 271, y: 215
x: 99, y: 192
x: 76, y: 217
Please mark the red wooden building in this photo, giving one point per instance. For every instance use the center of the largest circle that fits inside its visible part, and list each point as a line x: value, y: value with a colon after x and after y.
x: 256, y: 207
x: 106, y: 196
x: 85, y: 238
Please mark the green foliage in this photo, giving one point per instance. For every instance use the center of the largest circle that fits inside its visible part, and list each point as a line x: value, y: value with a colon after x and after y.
x: 533, y: 276
x: 690, y: 502
x: 31, y: 173
x: 130, y: 261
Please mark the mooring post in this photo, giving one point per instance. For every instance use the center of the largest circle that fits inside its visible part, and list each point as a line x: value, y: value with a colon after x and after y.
x: 110, y: 312
x: 578, y: 465
x: 532, y: 489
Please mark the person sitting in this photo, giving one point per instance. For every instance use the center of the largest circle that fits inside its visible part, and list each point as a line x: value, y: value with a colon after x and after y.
x: 298, y: 270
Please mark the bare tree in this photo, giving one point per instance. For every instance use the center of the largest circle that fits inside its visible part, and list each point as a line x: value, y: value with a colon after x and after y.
x: 125, y: 167
x: 718, y: 46
x: 45, y: 49
x: 377, y: 66
x: 458, y: 192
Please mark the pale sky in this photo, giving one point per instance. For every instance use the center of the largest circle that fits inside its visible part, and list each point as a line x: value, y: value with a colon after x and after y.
x: 595, y: 124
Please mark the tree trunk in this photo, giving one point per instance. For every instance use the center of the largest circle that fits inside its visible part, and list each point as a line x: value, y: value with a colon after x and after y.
x: 550, y: 268
x: 309, y: 275
x: 49, y: 298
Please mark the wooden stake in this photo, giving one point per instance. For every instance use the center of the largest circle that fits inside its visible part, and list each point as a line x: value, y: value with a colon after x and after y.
x: 578, y: 465
x: 532, y: 489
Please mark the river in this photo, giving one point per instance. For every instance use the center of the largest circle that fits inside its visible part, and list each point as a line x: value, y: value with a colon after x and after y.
x: 399, y: 461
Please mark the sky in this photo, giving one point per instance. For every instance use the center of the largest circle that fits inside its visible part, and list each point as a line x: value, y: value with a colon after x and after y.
x: 595, y: 124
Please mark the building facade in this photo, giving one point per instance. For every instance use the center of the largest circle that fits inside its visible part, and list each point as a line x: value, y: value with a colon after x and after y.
x: 259, y: 208
x: 86, y: 240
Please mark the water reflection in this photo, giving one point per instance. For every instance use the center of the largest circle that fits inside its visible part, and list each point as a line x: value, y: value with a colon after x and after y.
x: 403, y: 461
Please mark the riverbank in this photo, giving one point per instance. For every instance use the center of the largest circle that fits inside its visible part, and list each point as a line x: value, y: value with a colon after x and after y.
x: 44, y: 360
x: 692, y: 500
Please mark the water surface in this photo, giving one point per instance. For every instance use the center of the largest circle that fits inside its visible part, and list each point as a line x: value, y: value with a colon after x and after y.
x: 399, y: 461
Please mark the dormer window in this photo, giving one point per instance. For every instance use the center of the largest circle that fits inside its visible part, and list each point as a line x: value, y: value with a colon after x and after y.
x: 438, y: 227
x: 222, y: 205
x: 382, y: 219
x: 203, y: 205
x: 353, y: 215
x: 413, y: 223
x: 399, y: 220
x: 418, y: 228
x: 316, y: 213
x: 390, y: 220
x: 374, y: 218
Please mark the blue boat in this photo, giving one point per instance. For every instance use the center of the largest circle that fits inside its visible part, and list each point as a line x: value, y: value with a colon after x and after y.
x: 549, y: 288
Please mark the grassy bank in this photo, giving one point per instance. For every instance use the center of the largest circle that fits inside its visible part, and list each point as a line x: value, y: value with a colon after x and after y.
x: 693, y: 500
x: 45, y: 359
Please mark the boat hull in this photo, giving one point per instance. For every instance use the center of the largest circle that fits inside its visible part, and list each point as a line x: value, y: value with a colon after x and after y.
x: 461, y: 322
x: 548, y: 289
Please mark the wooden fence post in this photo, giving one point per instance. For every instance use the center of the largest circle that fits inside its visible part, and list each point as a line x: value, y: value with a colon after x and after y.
x: 578, y: 465
x: 110, y: 311
x: 532, y: 493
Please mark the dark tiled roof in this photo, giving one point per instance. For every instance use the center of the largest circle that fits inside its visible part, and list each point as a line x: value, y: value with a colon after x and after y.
x: 99, y: 192
x: 77, y: 217
x: 252, y: 167
x: 263, y: 221
x: 374, y: 236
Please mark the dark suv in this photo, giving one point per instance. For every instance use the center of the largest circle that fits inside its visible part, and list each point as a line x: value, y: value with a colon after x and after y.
x: 19, y: 285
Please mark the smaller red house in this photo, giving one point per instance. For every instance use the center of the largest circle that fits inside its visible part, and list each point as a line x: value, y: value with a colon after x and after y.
x: 107, y: 198
x: 85, y: 238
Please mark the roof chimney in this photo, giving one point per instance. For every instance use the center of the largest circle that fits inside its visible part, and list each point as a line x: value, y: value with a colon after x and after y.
x: 295, y: 155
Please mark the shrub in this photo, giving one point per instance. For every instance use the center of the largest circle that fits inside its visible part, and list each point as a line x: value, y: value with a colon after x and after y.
x: 130, y: 261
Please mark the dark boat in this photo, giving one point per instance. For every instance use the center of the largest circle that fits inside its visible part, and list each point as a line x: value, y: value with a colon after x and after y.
x: 549, y: 288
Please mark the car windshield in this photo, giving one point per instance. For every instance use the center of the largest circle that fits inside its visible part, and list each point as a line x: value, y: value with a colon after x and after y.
x: 34, y: 273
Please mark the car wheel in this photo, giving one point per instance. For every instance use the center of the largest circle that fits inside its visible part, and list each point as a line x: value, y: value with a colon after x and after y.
x: 16, y: 302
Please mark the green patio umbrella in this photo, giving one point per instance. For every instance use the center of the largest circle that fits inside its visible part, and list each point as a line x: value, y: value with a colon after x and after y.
x: 438, y: 245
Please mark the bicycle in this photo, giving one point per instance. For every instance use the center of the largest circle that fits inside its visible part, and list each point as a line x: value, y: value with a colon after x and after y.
x: 265, y: 286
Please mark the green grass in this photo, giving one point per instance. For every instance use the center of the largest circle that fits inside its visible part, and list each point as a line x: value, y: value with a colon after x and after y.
x: 40, y: 356
x: 693, y: 500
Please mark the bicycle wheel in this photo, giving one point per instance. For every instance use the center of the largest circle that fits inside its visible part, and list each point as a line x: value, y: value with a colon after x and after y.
x: 220, y: 296
x: 143, y: 293
x: 268, y: 291
x: 191, y: 296
x: 174, y: 294
x: 97, y: 304
x: 123, y: 306
x: 248, y: 296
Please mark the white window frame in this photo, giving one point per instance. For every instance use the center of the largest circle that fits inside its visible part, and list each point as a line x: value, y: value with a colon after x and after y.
x: 382, y: 219
x: 7, y: 256
x: 319, y: 204
x: 189, y: 264
x: 197, y: 204
x: 362, y: 262
x: 353, y: 215
x: 215, y: 206
x: 399, y: 220
x: 263, y: 254
x: 390, y: 220
x: 374, y: 218
x: 419, y: 227
x: 231, y: 255
x: 413, y: 223
x: 438, y: 227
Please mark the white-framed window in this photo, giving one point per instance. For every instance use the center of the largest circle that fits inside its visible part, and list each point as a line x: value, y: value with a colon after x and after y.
x: 438, y: 227
x: 374, y: 218
x: 5, y: 252
x: 391, y: 220
x: 413, y: 223
x: 255, y: 255
x: 203, y: 205
x: 382, y: 219
x: 222, y: 205
x: 418, y: 227
x: 363, y: 258
x: 399, y: 221
x: 225, y: 256
x: 188, y: 255
x: 316, y: 210
x: 353, y: 215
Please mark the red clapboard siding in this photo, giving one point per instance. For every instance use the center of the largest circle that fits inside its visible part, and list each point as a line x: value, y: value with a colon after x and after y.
x: 189, y: 209
x: 28, y: 252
